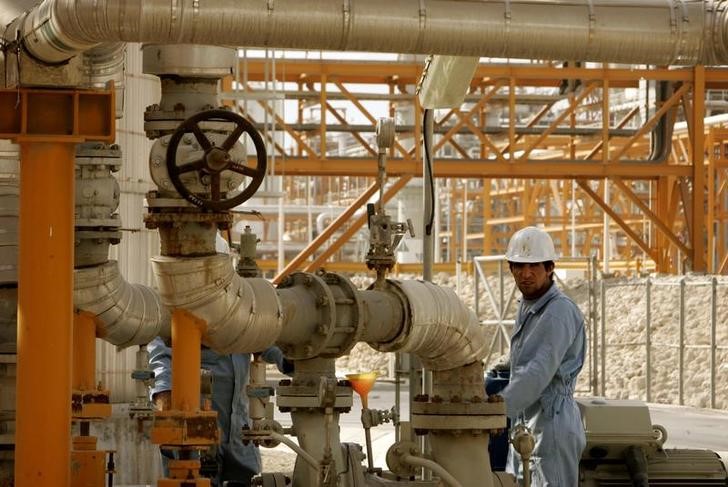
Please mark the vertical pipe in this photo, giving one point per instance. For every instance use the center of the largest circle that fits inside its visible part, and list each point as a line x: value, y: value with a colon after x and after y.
x: 593, y: 322
x: 713, y: 317
x: 697, y: 229
x: 427, y: 244
x: 187, y: 332
x: 84, y: 351
x: 322, y: 128
x: 501, y: 305
x: 681, y: 347
x: 573, y: 217
x: 605, y: 231
x: 648, y: 340
x: 45, y: 314
x: 603, y: 343
x: 476, y: 287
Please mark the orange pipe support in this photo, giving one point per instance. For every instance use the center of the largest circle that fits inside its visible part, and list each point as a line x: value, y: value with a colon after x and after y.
x: 187, y: 330
x: 45, y: 313
x: 84, y: 351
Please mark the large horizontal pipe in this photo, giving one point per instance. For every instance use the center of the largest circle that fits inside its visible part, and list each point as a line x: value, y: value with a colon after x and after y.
x: 681, y: 32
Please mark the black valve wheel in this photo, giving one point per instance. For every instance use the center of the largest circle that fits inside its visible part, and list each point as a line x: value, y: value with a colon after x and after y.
x: 216, y: 159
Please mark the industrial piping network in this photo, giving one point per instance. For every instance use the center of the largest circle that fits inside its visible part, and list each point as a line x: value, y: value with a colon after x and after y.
x: 316, y: 317
x: 313, y: 318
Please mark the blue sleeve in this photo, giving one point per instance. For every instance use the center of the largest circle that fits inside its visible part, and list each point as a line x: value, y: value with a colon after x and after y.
x: 553, y: 336
x: 160, y: 361
x: 273, y: 355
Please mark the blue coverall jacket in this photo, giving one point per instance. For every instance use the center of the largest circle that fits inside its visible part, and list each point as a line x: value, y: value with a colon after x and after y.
x: 229, y: 399
x: 547, y: 352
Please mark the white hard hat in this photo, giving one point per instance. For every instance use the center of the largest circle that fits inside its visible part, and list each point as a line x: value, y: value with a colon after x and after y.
x: 530, y: 245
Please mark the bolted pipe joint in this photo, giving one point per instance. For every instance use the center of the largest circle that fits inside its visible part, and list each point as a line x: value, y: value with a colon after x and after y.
x: 322, y: 313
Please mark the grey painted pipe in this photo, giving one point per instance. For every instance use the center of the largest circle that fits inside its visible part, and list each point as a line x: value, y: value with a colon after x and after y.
x: 681, y: 32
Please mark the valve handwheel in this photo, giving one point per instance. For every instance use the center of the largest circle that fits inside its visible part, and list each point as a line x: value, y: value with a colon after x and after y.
x: 216, y: 159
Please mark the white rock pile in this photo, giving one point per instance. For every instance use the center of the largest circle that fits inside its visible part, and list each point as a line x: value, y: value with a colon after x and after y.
x: 626, y: 318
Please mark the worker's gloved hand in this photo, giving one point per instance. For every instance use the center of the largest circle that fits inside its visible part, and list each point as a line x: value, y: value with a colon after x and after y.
x: 162, y: 401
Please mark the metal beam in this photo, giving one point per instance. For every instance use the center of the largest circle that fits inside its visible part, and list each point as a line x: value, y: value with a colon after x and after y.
x: 613, y: 214
x: 483, y: 168
x: 355, y: 226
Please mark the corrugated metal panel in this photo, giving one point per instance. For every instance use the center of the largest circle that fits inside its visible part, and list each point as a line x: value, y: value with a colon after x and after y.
x: 138, y: 244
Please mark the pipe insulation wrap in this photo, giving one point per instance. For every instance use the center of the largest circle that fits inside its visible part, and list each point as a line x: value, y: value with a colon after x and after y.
x: 439, y: 328
x: 640, y: 32
x: 127, y: 314
x: 243, y: 315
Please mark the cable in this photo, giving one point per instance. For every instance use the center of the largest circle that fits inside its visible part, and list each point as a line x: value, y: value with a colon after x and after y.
x: 427, y: 137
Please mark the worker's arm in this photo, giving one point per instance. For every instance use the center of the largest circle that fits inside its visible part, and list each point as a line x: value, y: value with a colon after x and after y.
x: 273, y: 355
x: 160, y: 361
x: 546, y: 346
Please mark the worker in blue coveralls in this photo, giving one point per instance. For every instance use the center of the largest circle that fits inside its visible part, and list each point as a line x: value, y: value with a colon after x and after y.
x: 547, y: 353
x: 236, y: 462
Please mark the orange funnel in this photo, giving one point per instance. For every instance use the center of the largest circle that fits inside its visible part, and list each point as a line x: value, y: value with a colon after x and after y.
x: 362, y: 384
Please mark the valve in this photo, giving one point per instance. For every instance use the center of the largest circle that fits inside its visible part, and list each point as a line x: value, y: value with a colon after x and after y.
x: 215, y: 160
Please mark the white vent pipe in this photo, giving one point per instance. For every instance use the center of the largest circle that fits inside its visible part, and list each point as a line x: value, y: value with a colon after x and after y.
x: 639, y: 32
x: 127, y: 314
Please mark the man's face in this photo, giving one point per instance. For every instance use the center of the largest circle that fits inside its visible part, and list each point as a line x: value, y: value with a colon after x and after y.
x: 533, y: 280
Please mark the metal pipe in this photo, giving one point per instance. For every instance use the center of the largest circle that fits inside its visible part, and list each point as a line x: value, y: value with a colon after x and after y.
x: 127, y: 314
x: 681, y: 347
x: 602, y: 338
x: 438, y: 327
x: 432, y: 466
x: 713, y: 319
x: 297, y: 449
x: 105, y: 63
x: 645, y: 32
x: 242, y: 314
x: 648, y: 340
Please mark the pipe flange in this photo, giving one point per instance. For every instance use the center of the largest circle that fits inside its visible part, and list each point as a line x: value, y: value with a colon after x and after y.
x: 316, y: 345
x: 348, y: 326
x: 396, y: 454
x: 293, y: 397
x: 457, y: 414
x: 394, y: 345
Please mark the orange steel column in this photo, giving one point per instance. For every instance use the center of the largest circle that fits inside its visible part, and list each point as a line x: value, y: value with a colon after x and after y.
x: 187, y: 332
x: 45, y: 314
x: 84, y: 352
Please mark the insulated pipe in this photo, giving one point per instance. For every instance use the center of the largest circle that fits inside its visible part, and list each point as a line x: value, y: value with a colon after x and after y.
x: 105, y: 63
x: 127, y: 314
x: 242, y: 314
x: 438, y: 327
x: 641, y: 32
